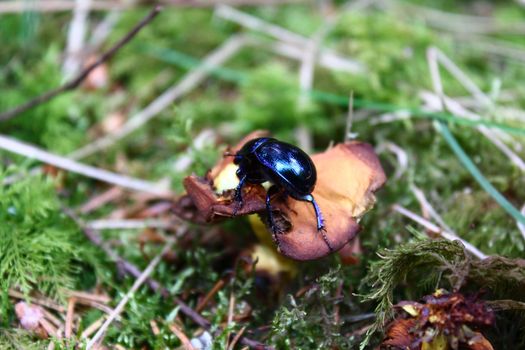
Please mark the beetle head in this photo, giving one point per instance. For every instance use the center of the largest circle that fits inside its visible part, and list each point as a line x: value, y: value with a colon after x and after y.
x: 237, y: 159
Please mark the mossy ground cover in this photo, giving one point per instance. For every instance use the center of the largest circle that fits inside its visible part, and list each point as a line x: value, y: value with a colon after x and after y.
x: 325, y: 304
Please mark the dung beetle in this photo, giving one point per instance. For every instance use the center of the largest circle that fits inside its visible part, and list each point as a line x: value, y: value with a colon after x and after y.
x: 286, y: 166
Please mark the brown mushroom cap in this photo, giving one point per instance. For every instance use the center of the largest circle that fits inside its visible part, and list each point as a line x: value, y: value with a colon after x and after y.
x: 347, y: 176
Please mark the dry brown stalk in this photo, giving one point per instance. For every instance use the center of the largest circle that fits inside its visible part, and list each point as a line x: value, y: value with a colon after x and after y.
x: 69, y: 317
x: 37, y: 300
x: 92, y: 328
x: 154, y: 327
x: 182, y: 337
x: 217, y: 287
x: 236, y: 338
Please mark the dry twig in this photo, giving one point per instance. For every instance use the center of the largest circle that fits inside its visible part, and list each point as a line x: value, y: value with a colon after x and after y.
x: 236, y: 338
x: 401, y: 157
x: 99, y: 200
x: 154, y: 327
x: 75, y: 82
x: 218, y: 286
x: 69, y: 317
x: 521, y: 227
x: 182, y: 337
x: 130, y: 224
x: 33, y: 152
x: 50, y: 304
x: 92, y: 328
x: 97, y: 298
x: 76, y: 38
x: 324, y: 59
x: 436, y: 229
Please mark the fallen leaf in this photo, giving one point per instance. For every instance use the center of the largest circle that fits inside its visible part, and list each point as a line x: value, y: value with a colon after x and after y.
x: 440, y: 322
x: 398, y: 334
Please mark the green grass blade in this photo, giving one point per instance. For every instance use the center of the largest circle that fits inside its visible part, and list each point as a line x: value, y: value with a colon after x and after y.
x: 473, y: 169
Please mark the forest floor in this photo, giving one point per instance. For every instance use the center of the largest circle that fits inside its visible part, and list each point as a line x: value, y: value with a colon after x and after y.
x: 107, y: 106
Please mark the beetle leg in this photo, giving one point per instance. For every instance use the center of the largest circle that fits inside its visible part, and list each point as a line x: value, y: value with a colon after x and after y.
x: 269, y: 194
x: 320, y: 220
x: 238, y: 195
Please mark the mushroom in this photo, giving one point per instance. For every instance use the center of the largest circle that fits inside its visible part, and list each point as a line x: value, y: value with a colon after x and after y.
x: 348, y: 174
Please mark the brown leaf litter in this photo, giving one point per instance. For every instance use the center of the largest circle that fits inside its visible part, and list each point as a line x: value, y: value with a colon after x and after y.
x: 442, y: 321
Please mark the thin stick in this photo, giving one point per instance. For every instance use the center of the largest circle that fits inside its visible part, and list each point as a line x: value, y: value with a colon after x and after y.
x: 182, y: 337
x: 101, y: 307
x: 521, y: 226
x: 427, y: 207
x: 120, y: 307
x: 33, y: 152
x: 218, y: 286
x: 401, y: 157
x: 337, y: 306
x: 185, y: 85
x: 102, y: 31
x: 491, y: 46
x: 76, y: 38
x: 324, y: 59
x: 313, y: 45
x: 257, y: 24
x: 69, y: 317
x: 460, y: 76
x: 101, y: 199
x: 75, y: 82
x: 129, y: 224
x: 92, y: 328
x: 236, y: 338
x: 154, y: 327
x: 49, y: 328
x: 436, y: 229
x: 306, y: 80
x: 349, y: 118
x: 231, y: 312
x: 36, y: 300
x: 97, y: 298
x: 53, y: 319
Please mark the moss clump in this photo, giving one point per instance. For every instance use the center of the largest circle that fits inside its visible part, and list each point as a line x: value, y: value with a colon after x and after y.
x: 38, y: 242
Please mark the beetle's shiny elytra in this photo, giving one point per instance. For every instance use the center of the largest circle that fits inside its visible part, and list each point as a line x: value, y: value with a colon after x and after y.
x: 286, y: 166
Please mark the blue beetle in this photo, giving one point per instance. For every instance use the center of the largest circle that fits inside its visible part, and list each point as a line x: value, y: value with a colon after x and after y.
x: 286, y: 166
